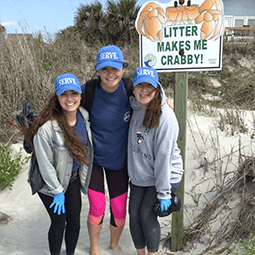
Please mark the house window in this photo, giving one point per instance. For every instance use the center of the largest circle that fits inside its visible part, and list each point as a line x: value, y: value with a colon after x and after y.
x: 251, y: 22
x: 228, y: 21
x: 239, y: 22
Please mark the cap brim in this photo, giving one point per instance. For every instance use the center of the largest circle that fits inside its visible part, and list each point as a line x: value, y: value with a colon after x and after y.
x: 117, y: 65
x: 65, y: 88
x: 145, y: 79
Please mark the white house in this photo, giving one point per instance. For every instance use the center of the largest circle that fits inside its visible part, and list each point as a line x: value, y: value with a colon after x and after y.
x: 239, y: 13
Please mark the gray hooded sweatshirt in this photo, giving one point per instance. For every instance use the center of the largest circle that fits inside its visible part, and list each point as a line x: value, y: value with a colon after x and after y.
x: 153, y: 155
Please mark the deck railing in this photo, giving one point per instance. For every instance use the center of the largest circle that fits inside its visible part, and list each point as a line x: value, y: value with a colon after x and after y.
x: 239, y: 34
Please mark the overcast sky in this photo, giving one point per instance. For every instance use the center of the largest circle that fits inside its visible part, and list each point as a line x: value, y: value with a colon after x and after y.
x: 239, y: 7
x: 31, y: 16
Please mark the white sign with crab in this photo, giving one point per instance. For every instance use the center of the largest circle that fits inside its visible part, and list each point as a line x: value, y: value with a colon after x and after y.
x: 183, y: 35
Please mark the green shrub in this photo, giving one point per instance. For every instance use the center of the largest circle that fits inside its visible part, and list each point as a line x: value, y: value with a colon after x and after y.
x: 248, y: 247
x: 10, y: 166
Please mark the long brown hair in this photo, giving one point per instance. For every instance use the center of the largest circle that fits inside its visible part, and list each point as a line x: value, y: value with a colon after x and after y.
x: 53, y: 111
x: 153, y: 110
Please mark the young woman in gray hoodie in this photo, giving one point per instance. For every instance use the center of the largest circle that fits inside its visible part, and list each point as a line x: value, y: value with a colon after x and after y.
x: 154, y: 162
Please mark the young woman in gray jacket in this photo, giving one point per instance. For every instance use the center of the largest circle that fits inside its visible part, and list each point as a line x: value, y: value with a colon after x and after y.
x: 61, y: 139
x: 154, y: 163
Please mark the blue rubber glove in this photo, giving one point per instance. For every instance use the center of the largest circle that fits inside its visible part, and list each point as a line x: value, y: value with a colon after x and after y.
x: 59, y: 202
x: 165, y: 204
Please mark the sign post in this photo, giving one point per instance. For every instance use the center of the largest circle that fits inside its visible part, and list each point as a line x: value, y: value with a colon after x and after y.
x: 181, y: 37
x: 180, y: 106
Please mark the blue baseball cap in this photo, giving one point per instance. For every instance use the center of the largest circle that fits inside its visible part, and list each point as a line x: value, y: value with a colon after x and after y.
x: 145, y: 74
x: 110, y: 55
x: 66, y: 82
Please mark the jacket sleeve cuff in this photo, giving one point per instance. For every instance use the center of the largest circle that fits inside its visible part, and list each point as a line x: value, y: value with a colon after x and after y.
x: 58, y: 190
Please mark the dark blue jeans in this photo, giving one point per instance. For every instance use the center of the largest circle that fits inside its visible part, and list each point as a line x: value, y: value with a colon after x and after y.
x: 144, y: 226
x: 68, y: 222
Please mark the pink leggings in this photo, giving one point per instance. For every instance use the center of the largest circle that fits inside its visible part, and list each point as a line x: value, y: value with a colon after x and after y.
x: 117, y: 181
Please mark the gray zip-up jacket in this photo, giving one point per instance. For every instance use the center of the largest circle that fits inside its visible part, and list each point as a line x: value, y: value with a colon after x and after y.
x: 54, y: 160
x: 153, y: 155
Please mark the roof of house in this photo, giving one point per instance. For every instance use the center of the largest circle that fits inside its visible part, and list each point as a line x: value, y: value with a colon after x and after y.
x: 239, y: 7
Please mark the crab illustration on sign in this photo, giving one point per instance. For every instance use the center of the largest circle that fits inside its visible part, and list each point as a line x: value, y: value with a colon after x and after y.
x: 152, y: 18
